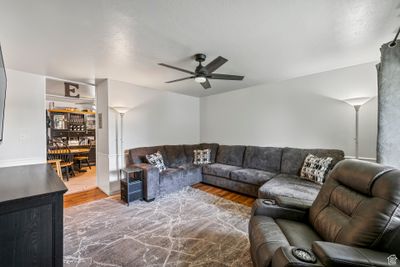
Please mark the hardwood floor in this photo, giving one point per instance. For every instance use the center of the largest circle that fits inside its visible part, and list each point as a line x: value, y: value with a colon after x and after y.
x: 226, y: 194
x: 83, y: 197
x: 96, y: 194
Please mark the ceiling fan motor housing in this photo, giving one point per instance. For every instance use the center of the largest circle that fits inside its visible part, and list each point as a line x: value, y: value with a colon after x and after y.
x: 200, y: 57
x: 200, y: 71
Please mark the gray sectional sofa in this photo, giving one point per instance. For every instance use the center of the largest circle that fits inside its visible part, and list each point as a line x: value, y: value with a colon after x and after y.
x: 263, y: 172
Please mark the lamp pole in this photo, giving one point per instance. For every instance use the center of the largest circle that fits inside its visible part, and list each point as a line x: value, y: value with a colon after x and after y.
x: 120, y: 144
x: 357, y: 109
x: 122, y: 140
x: 357, y: 102
x: 117, y: 148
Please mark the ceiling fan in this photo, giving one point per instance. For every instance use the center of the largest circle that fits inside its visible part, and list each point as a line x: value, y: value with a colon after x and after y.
x: 202, y: 73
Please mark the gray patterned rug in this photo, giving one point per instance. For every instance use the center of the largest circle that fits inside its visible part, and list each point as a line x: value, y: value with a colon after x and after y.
x: 187, y: 228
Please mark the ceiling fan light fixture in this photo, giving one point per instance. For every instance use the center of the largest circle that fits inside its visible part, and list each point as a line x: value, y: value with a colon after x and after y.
x: 200, y: 79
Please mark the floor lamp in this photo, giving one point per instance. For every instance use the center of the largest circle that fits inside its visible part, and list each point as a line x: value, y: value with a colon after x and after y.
x: 357, y: 103
x: 120, y: 147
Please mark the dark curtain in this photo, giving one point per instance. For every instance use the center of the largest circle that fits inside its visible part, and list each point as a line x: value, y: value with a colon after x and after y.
x: 388, y: 147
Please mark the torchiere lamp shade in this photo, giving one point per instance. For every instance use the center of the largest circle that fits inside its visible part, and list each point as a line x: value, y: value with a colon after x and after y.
x: 357, y: 101
x: 121, y: 110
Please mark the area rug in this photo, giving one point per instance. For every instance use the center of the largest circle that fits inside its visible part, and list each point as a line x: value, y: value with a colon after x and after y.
x: 187, y: 228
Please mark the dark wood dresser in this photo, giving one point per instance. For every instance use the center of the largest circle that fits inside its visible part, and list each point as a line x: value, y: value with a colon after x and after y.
x: 31, y: 216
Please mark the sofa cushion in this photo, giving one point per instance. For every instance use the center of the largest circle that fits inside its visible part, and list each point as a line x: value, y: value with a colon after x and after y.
x: 175, y: 156
x: 191, y: 173
x: 230, y: 155
x: 213, y: 147
x: 189, y: 151
x: 221, y: 170
x: 252, y: 176
x: 138, y: 155
x: 263, y: 158
x: 293, y: 158
x: 289, y: 186
x: 171, y: 180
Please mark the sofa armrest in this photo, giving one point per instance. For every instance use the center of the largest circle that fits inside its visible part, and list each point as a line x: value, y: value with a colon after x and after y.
x: 293, y: 203
x: 151, y: 180
x: 333, y: 254
x: 277, y: 212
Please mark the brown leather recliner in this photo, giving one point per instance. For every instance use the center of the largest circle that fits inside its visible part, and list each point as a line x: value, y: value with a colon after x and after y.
x: 354, y: 221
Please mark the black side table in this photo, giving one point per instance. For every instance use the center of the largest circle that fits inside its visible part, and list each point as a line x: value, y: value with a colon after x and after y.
x: 131, y: 184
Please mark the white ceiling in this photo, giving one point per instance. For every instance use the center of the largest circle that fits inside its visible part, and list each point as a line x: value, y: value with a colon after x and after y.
x: 124, y: 40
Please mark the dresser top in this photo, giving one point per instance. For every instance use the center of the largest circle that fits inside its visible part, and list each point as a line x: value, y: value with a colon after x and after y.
x: 29, y: 181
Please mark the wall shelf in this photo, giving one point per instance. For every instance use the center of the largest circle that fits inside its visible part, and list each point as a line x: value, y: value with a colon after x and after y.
x: 75, y: 128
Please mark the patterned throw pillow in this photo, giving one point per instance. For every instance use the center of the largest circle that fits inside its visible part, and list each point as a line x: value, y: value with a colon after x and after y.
x: 202, y: 156
x: 156, y: 160
x: 315, y: 168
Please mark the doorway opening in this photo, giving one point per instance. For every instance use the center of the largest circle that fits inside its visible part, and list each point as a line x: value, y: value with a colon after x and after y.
x: 71, y: 133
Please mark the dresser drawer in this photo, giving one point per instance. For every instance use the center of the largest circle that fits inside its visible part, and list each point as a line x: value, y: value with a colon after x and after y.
x: 135, y: 185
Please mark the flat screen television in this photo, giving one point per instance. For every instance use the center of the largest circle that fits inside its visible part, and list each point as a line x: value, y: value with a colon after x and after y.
x: 3, y: 88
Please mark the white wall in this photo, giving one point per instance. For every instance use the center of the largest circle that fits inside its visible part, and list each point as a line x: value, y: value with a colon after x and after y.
x: 102, y: 138
x: 156, y: 118
x: 25, y: 120
x: 302, y: 112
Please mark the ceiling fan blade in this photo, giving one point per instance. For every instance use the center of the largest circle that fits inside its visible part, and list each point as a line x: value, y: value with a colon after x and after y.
x: 181, y: 79
x: 175, y: 68
x: 215, y: 64
x: 225, y: 77
x: 206, y: 84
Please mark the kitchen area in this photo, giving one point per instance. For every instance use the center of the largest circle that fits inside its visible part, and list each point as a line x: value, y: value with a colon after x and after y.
x: 71, y: 133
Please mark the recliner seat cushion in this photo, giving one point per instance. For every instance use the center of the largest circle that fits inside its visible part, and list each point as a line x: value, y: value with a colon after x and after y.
x: 175, y: 156
x: 289, y: 186
x: 230, y: 155
x: 263, y: 158
x: 293, y: 158
x: 221, y: 170
x: 252, y: 176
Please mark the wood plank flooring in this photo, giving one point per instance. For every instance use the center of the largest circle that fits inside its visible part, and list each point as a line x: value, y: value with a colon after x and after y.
x: 83, y: 197
x: 226, y: 194
x: 96, y: 194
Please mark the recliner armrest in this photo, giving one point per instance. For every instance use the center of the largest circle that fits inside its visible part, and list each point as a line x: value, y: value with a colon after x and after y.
x: 277, y: 212
x: 151, y: 180
x: 283, y: 257
x: 333, y: 254
x: 293, y: 203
